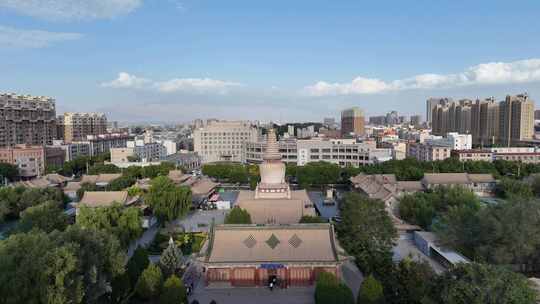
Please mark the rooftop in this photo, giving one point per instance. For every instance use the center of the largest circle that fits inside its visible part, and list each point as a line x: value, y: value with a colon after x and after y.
x: 284, y: 243
x: 103, y: 198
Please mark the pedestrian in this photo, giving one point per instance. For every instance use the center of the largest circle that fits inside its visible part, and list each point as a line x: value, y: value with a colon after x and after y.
x: 271, y: 286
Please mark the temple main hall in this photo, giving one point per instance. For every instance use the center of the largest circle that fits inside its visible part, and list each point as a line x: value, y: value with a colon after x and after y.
x: 254, y: 255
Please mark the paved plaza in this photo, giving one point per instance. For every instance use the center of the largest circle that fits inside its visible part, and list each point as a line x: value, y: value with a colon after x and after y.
x: 254, y: 295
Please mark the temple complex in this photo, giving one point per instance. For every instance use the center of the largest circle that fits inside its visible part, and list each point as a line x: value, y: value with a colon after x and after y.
x: 254, y: 255
x: 273, y: 201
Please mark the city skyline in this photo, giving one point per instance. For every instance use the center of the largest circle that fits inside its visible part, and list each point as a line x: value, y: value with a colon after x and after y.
x: 174, y: 61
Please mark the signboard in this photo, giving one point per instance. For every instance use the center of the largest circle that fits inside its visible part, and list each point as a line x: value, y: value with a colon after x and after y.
x: 272, y: 266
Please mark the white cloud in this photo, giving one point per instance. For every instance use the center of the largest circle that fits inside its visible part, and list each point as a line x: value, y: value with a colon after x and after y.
x: 487, y: 73
x: 71, y: 9
x: 192, y: 85
x: 19, y: 38
x: 125, y: 80
x: 195, y: 84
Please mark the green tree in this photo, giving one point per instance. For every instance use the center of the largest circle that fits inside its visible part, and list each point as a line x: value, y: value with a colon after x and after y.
x: 86, y: 187
x: 149, y: 284
x: 371, y: 291
x: 238, y: 216
x: 13, y: 201
x: 508, y: 188
x: 8, y: 171
x: 137, y: 264
x: 173, y: 292
x: 71, y: 266
x: 422, y: 208
x: 168, y: 201
x: 121, y: 288
x: 481, y: 284
x: 318, y: 174
x: 328, y: 290
x: 103, y: 168
x: 47, y: 217
x: 312, y: 219
x: 408, y: 282
x: 124, y: 223
x: 171, y: 259
x: 367, y: 232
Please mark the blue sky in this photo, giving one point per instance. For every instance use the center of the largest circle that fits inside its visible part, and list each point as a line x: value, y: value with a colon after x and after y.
x: 169, y: 60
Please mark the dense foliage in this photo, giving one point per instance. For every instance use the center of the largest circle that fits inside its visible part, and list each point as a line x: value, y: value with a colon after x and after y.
x: 366, y: 232
x: 47, y: 217
x: 137, y: 264
x: 8, y: 171
x: 329, y: 290
x: 80, y: 165
x: 171, y: 259
x: 504, y: 233
x: 371, y: 291
x: 124, y: 223
x: 238, y: 216
x: 173, y: 291
x: 407, y: 282
x: 168, y: 201
x: 481, y: 284
x: 13, y: 201
x: 306, y: 219
x: 73, y: 266
x: 318, y: 174
x: 422, y: 208
x: 507, y: 188
x: 149, y: 283
x: 227, y: 172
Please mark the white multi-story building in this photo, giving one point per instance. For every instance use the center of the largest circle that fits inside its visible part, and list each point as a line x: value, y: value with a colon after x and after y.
x: 428, y: 152
x: 93, y: 145
x: 170, y: 146
x: 343, y: 152
x: 147, y: 152
x: 223, y: 140
x: 453, y: 140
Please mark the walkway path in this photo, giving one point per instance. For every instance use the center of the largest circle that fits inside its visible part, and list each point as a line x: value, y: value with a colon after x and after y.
x: 145, y: 240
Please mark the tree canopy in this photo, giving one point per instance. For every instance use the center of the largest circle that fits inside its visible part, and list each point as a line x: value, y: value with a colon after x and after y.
x: 506, y: 233
x: 366, y: 232
x: 47, y: 217
x: 328, y: 290
x: 371, y: 291
x: 124, y: 223
x: 173, y: 292
x: 13, y: 201
x: 71, y: 266
x: 481, y: 284
x: 422, y: 208
x: 238, y: 216
x: 149, y: 284
x: 168, y: 201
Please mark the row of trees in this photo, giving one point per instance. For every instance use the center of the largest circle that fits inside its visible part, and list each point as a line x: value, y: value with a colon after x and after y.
x: 147, y: 279
x: 422, y: 208
x: 317, y: 174
x: 506, y: 233
x: 124, y: 223
x: 129, y: 177
x: 71, y: 266
x: 13, y: 201
x: 80, y: 165
x: 367, y: 233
